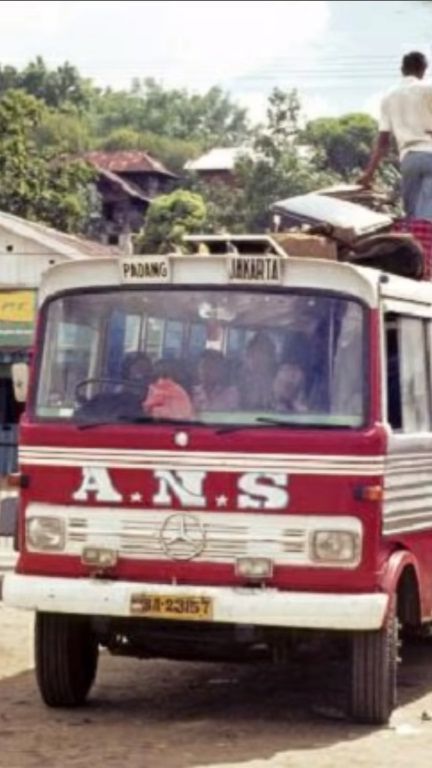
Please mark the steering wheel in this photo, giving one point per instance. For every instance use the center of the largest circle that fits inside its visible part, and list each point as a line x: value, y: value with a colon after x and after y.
x: 104, y: 386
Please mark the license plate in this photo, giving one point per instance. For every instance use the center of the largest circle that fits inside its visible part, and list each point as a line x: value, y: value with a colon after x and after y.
x: 167, y: 607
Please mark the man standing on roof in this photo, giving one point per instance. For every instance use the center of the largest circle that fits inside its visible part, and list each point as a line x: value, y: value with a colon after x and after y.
x: 406, y: 114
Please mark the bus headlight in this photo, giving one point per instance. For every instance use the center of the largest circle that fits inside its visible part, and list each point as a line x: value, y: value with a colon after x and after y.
x: 45, y: 534
x: 336, y: 547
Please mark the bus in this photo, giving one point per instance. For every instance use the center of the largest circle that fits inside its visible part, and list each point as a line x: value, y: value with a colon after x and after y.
x: 221, y: 454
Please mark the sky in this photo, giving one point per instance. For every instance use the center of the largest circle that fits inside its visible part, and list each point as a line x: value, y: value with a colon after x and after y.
x: 341, y: 54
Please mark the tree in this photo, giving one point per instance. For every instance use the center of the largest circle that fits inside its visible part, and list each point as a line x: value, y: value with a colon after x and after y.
x: 169, y: 218
x: 342, y: 144
x: 67, y: 200
x: 209, y: 118
x: 265, y: 182
x: 278, y: 170
x: 57, y: 88
x: 63, y: 133
x: 35, y: 186
x: 225, y: 205
x: 281, y: 131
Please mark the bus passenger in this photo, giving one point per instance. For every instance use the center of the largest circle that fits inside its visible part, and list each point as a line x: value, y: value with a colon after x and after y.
x: 257, y: 373
x: 168, y: 400
x: 289, y: 387
x: 213, y: 391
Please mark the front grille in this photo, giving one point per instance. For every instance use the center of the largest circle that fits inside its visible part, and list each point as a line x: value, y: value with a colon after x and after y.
x: 138, y: 535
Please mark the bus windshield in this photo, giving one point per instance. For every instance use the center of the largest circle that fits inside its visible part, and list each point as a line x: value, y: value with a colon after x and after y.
x: 233, y: 357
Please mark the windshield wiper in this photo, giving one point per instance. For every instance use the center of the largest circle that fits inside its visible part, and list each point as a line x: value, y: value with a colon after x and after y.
x: 145, y: 419
x: 260, y: 420
x: 226, y: 428
x: 141, y: 419
x: 91, y: 424
x: 218, y: 429
x: 300, y: 424
x: 276, y: 422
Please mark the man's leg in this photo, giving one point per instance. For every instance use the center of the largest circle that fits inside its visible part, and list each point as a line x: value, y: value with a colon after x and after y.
x: 423, y: 208
x: 412, y: 177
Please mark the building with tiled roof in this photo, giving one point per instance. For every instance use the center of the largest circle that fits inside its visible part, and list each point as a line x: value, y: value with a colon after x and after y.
x: 128, y: 161
x: 127, y: 180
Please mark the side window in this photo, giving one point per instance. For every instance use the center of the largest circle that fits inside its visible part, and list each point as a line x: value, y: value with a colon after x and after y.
x: 394, y: 403
x: 408, y: 382
x: 429, y: 359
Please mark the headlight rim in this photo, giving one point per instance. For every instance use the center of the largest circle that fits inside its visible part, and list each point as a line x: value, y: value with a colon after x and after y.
x: 351, y: 563
x: 35, y: 546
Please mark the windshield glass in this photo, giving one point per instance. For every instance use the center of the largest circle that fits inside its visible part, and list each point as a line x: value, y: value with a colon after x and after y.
x: 217, y: 357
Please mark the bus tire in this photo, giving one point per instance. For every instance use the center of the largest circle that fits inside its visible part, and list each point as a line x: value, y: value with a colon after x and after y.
x: 373, y: 672
x: 66, y: 656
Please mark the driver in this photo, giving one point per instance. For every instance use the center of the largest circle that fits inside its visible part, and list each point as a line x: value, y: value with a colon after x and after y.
x: 137, y: 369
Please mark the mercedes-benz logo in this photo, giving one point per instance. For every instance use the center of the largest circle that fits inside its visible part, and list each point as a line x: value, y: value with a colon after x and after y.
x: 182, y: 537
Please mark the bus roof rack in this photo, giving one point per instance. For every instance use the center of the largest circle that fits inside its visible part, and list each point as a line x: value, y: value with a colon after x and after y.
x: 228, y: 243
x: 392, y: 252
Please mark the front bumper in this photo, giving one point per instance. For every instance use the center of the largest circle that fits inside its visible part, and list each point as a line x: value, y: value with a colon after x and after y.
x: 261, y: 607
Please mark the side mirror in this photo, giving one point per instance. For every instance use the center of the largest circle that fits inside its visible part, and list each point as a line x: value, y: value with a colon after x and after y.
x: 20, y: 381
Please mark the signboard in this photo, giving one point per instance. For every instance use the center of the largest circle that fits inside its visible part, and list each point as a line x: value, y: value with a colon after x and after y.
x: 145, y: 269
x: 17, y: 317
x: 255, y: 269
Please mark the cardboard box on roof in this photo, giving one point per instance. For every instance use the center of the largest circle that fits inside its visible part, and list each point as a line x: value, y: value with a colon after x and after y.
x: 300, y: 244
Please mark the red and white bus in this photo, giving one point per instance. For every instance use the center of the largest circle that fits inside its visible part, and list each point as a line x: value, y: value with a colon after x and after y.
x: 219, y: 452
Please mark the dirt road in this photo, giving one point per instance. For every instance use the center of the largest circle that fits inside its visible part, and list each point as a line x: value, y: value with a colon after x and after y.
x: 158, y: 714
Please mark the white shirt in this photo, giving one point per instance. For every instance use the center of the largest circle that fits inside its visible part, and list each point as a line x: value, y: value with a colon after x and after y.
x: 406, y: 112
